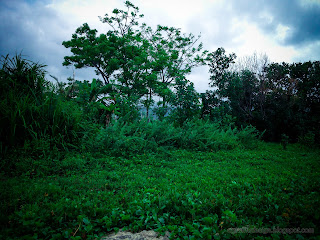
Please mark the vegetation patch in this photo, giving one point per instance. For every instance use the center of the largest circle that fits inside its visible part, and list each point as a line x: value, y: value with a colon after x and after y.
x: 191, y: 194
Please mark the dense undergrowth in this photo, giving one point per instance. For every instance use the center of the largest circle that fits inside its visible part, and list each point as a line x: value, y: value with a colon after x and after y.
x: 123, y: 139
x: 191, y: 194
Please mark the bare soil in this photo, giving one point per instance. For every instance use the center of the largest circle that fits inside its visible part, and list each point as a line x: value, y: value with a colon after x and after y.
x: 144, y: 235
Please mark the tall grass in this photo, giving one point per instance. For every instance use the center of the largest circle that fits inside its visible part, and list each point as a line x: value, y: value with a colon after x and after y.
x: 31, y: 111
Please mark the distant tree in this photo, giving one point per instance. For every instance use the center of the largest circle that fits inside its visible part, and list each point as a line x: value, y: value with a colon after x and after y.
x: 281, y: 98
x: 239, y: 90
x: 209, y: 101
x: 219, y: 64
x: 215, y: 103
x: 280, y: 104
x: 290, y: 100
x: 256, y: 64
x: 185, y: 101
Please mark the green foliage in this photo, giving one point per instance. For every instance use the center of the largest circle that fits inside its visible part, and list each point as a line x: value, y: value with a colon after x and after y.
x: 280, y: 98
x: 128, y: 139
x: 185, y: 102
x: 36, y: 118
x: 29, y: 109
x: 128, y: 110
x: 173, y: 55
x: 308, y: 139
x: 240, y: 89
x: 199, y: 195
x: 91, y: 99
x: 248, y: 137
x: 162, y: 110
x: 284, y: 141
x: 219, y: 63
x: 22, y: 88
x: 137, y: 62
x: 78, y: 161
x: 288, y: 107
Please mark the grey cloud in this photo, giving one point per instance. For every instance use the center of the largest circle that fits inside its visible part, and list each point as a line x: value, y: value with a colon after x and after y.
x: 301, y: 16
x: 26, y: 26
x: 216, y: 27
x: 37, y: 32
x: 309, y: 53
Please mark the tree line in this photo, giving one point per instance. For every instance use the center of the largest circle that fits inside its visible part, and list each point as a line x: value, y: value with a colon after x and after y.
x: 278, y: 98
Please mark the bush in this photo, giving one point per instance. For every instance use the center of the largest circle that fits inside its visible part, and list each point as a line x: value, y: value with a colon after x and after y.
x: 121, y: 139
x: 308, y: 140
x: 248, y: 137
x: 126, y: 139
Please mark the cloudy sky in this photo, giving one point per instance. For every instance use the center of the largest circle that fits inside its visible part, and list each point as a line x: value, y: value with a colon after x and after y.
x: 285, y: 30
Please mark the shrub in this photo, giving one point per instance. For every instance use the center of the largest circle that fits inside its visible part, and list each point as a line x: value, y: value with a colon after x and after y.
x: 126, y: 139
x: 249, y: 136
x: 308, y: 139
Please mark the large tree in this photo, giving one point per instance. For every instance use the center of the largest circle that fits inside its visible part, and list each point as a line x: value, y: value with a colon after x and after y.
x: 119, y: 56
x: 137, y: 61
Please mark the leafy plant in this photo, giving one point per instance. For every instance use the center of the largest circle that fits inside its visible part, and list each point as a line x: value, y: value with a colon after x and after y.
x: 308, y: 139
x: 284, y: 141
x: 188, y: 193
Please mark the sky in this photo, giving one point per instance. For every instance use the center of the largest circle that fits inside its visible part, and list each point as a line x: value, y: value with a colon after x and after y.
x: 284, y: 30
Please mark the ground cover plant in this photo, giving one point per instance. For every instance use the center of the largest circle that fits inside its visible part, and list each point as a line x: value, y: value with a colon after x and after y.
x: 191, y: 194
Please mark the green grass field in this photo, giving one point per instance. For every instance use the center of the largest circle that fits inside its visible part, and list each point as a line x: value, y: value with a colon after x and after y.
x: 193, y: 195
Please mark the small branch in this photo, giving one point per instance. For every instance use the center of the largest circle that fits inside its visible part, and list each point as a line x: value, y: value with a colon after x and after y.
x: 76, y: 230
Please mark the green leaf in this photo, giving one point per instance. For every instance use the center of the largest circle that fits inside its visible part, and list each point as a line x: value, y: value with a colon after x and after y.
x: 86, y: 221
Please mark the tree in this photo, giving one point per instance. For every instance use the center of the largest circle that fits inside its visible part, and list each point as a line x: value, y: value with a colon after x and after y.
x: 291, y: 100
x: 256, y: 64
x: 215, y: 104
x: 119, y: 56
x: 219, y: 63
x: 173, y: 55
x: 185, y: 101
x: 239, y: 90
x: 92, y: 51
x: 138, y: 63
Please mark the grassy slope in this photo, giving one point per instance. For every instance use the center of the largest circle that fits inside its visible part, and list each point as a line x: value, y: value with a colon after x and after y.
x: 191, y: 194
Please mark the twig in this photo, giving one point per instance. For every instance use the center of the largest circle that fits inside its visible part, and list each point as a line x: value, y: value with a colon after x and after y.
x: 76, y: 230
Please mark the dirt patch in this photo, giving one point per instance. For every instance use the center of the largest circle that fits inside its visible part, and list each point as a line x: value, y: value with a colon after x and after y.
x: 144, y: 235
